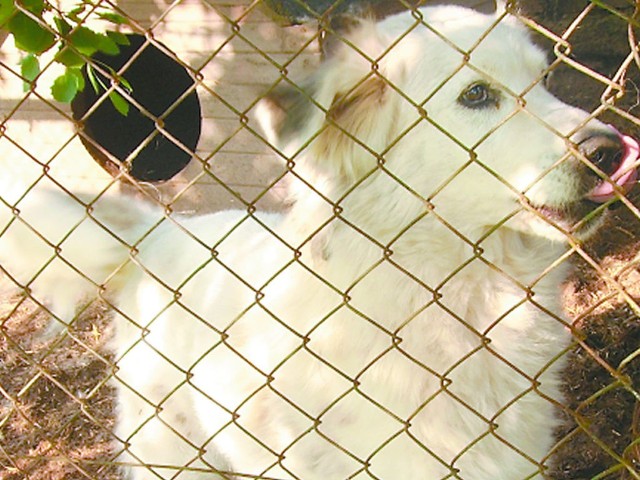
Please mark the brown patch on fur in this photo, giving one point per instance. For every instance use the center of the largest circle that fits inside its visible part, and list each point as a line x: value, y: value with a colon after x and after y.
x: 368, y: 92
x: 351, y: 135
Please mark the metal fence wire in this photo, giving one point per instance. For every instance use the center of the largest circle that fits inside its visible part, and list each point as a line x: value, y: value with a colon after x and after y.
x: 293, y: 401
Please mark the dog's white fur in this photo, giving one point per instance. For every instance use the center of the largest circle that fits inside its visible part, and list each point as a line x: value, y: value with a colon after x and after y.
x: 402, y: 321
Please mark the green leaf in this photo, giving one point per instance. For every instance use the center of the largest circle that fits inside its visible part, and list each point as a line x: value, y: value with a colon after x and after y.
x: 77, y: 72
x: 29, y: 69
x: 85, y: 40
x: 119, y: 38
x: 91, y: 75
x: 69, y: 58
x: 7, y: 11
x: 107, y: 45
x: 29, y: 35
x: 34, y: 6
x: 76, y: 12
x: 62, y: 26
x: 113, y: 18
x: 66, y: 86
x: 119, y: 103
x: 124, y: 82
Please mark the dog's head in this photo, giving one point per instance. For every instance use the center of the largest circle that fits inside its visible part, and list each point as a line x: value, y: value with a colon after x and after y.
x: 446, y: 108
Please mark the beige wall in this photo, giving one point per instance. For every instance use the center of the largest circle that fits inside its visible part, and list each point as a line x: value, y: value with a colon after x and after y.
x: 237, y: 68
x: 234, y: 75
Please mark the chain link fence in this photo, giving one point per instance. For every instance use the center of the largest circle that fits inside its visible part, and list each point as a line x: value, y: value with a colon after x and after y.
x: 58, y: 389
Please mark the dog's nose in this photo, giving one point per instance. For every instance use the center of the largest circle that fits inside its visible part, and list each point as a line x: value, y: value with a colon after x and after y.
x: 604, y: 151
x: 616, y: 156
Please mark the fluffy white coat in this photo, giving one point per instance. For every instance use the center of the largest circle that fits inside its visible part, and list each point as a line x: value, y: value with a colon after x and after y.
x: 401, y: 321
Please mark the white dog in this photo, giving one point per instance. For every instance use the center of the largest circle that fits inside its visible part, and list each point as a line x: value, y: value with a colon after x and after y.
x: 402, y: 321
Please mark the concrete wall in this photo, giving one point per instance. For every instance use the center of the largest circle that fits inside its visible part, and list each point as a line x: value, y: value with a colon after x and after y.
x: 238, y: 65
x: 238, y: 49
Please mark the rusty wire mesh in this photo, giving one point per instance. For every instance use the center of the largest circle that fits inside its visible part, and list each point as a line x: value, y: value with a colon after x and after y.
x: 56, y: 394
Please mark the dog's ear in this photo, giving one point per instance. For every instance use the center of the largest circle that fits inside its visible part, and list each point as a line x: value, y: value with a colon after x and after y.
x: 284, y: 112
x: 356, y: 126
x: 340, y: 119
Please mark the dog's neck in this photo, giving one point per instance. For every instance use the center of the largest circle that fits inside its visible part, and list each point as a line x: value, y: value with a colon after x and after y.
x: 349, y: 237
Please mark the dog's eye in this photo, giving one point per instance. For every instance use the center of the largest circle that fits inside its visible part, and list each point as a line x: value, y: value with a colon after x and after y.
x: 478, y: 95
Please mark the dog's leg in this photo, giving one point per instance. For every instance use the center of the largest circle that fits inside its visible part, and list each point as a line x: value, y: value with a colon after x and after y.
x: 156, y: 428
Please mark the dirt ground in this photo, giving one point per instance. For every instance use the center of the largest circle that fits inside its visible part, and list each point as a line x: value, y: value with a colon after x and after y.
x: 56, y: 413
x: 56, y: 409
x: 602, y: 381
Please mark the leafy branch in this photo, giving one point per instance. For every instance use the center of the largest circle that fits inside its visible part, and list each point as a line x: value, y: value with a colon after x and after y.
x: 38, y: 27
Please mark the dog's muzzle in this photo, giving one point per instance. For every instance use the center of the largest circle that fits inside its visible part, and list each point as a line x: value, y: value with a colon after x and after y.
x: 616, y: 156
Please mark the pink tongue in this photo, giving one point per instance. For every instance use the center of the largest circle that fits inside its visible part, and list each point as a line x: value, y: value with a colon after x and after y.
x: 624, y: 177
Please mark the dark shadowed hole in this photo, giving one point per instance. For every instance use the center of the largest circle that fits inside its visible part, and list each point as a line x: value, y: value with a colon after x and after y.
x: 157, y: 83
